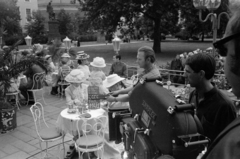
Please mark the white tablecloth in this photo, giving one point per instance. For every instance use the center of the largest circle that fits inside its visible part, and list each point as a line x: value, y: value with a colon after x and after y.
x: 67, y: 122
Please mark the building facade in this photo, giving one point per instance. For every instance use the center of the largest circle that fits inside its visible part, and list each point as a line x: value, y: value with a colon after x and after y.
x: 26, y: 7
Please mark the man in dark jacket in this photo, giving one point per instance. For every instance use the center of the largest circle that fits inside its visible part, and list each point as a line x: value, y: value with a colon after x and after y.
x: 214, y: 109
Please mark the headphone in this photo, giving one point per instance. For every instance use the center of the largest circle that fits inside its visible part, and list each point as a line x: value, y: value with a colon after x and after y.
x: 151, y: 57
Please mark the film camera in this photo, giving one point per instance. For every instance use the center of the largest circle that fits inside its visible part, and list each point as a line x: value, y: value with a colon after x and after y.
x: 157, y: 126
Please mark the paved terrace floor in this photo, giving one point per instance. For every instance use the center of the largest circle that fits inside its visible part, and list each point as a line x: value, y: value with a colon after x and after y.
x: 23, y: 143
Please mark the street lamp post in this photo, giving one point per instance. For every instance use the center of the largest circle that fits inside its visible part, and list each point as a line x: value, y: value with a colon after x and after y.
x: 211, y: 5
x: 67, y: 43
x: 28, y: 40
x: 116, y: 44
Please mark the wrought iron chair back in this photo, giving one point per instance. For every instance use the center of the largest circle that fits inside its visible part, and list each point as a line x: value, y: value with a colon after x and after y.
x: 38, y: 117
x: 44, y: 132
x: 38, y: 80
x: 92, y: 133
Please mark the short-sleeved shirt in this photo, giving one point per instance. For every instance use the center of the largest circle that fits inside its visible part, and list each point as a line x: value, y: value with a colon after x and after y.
x: 119, y: 68
x: 215, y: 111
x: 152, y: 73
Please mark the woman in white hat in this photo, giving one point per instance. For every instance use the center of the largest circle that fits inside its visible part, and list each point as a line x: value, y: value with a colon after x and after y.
x: 65, y: 59
x: 97, y: 65
x: 97, y: 75
x: 113, y: 83
x: 76, y: 93
x: 83, y: 63
x: 48, y: 58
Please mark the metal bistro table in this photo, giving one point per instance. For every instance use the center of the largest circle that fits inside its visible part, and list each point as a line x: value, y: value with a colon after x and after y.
x: 67, y: 122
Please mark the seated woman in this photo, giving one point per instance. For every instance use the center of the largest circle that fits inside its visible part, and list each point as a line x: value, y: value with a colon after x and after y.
x: 83, y: 64
x: 63, y: 70
x: 76, y: 93
x: 97, y: 75
x: 113, y: 83
x: 51, y: 69
x: 66, y: 59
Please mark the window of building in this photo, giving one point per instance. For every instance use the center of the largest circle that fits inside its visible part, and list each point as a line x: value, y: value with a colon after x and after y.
x: 28, y: 13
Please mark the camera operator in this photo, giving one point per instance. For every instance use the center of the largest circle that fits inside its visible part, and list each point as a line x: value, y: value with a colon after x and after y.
x: 214, y: 109
x: 145, y: 60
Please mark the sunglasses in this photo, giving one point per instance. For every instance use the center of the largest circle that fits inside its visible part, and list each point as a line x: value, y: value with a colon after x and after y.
x: 219, y: 45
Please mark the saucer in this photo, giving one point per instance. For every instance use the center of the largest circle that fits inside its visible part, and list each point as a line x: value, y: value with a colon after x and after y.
x: 85, y: 115
x: 72, y: 111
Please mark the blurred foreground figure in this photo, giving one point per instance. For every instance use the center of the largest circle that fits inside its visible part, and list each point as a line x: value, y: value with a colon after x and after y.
x: 227, y: 143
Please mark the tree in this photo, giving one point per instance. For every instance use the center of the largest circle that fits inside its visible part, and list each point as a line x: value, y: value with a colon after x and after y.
x: 106, y: 15
x: 11, y: 27
x: 65, y: 23
x: 9, y: 13
x: 8, y: 9
x: 35, y: 27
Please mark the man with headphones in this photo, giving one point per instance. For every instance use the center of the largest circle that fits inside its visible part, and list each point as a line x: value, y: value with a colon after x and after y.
x: 145, y: 60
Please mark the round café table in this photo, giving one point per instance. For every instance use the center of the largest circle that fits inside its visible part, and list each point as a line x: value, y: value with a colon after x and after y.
x: 67, y: 122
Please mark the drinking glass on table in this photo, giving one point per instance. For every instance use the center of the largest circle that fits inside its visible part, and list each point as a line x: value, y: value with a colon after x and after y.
x: 80, y: 109
x: 85, y: 106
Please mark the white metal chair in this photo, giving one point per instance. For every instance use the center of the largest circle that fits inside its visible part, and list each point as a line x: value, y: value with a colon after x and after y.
x: 38, y: 83
x: 44, y: 132
x: 91, y: 136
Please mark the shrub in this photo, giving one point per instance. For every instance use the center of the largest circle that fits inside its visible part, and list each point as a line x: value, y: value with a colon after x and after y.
x: 42, y: 39
x: 86, y: 38
x: 13, y: 39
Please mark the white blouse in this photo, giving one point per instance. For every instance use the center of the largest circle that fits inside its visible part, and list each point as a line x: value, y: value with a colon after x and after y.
x: 76, y: 94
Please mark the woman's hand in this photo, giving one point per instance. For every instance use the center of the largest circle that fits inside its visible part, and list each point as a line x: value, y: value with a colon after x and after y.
x: 77, y: 102
x: 115, y: 93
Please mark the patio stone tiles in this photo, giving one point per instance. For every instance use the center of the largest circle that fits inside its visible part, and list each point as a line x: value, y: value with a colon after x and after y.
x: 23, y: 143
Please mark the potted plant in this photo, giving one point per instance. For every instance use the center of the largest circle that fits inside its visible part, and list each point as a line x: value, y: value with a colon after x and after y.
x: 10, y: 69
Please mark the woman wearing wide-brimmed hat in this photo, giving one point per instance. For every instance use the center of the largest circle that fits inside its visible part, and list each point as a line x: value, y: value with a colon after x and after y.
x: 82, y: 59
x: 97, y: 75
x: 113, y: 83
x: 76, y: 92
x: 66, y: 59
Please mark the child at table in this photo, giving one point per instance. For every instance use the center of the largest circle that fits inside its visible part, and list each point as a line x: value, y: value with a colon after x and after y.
x: 97, y: 75
x: 76, y: 93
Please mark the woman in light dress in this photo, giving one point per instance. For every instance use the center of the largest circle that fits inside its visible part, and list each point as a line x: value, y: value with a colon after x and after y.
x: 97, y: 75
x: 76, y: 93
x: 83, y: 64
